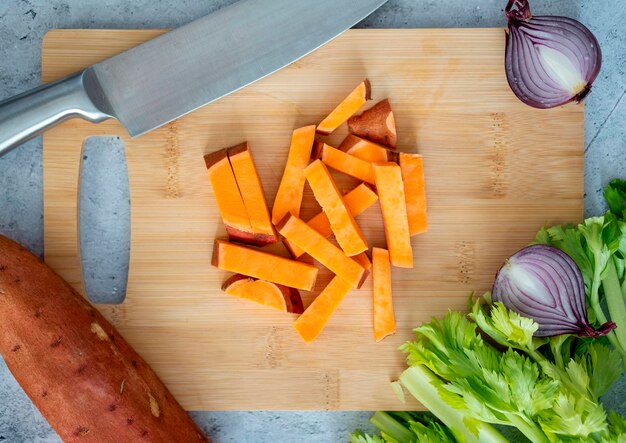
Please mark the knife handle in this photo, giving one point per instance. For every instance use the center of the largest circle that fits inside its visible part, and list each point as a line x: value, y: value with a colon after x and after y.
x: 29, y: 114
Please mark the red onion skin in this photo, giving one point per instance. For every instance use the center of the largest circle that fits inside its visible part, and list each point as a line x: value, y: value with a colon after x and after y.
x: 521, y: 13
x: 566, y: 312
x: 519, y: 16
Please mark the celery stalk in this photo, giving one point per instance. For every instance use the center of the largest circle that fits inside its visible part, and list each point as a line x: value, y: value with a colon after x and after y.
x: 423, y: 385
x: 390, y: 427
x: 615, y: 302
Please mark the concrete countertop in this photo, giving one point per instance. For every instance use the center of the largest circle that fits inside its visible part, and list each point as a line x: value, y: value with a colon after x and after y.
x: 22, y: 26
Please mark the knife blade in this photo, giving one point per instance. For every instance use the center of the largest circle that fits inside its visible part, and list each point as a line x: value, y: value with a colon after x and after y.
x: 184, y: 69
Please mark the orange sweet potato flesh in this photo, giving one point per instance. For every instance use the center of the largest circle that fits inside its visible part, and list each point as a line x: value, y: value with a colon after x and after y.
x: 393, y: 205
x: 264, y: 292
x: 262, y: 265
x: 384, y: 320
x: 80, y: 373
x: 412, y: 167
x: 346, y: 108
x: 291, y: 189
x: 357, y: 201
x: 348, y: 164
x: 311, y: 323
x: 367, y: 150
x: 251, y: 191
x: 229, y: 201
x: 317, y: 246
x: 376, y: 124
x: 346, y: 230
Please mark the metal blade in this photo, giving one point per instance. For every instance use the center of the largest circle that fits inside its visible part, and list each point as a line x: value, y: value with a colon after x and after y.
x: 204, y: 60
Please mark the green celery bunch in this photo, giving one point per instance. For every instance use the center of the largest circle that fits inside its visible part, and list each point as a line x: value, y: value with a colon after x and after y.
x: 543, y: 387
x: 486, y: 368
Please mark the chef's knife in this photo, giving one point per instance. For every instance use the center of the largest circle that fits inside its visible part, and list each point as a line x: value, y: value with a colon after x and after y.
x: 175, y: 73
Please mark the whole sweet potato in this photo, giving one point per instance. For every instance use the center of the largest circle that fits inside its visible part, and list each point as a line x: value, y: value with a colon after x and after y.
x: 81, y: 374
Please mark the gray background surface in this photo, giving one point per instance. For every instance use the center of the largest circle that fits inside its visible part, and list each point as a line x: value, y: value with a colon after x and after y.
x: 104, y: 201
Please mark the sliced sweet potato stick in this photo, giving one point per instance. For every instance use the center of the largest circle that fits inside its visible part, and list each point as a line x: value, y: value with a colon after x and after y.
x: 311, y: 323
x: 229, y: 200
x: 289, y: 196
x: 348, y: 164
x: 346, y: 230
x: 317, y: 246
x: 367, y: 150
x: 376, y: 124
x: 393, y: 205
x: 357, y: 201
x: 251, y: 190
x: 412, y: 167
x: 384, y: 321
x: 346, y: 108
x: 254, y: 263
x: 264, y: 292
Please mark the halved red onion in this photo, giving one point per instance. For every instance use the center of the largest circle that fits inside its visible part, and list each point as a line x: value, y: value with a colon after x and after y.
x: 543, y: 283
x: 549, y: 60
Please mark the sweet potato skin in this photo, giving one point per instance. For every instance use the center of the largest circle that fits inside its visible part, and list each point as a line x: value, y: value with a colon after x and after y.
x: 376, y: 124
x: 297, y: 307
x: 81, y: 374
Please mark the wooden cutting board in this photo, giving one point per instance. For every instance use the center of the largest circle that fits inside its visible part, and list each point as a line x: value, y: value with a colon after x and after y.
x: 496, y: 171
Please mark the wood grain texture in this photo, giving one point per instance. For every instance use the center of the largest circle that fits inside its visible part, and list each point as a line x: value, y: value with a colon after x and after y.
x: 496, y: 171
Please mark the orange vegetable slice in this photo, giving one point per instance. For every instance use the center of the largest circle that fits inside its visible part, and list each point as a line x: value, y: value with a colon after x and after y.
x: 289, y: 196
x: 311, y: 323
x: 384, y: 321
x: 348, y: 164
x: 229, y: 201
x: 262, y: 265
x: 264, y: 292
x: 251, y: 190
x: 346, y: 108
x: 367, y: 150
x: 393, y: 205
x: 412, y: 167
x: 317, y: 246
x: 357, y: 201
x: 376, y: 124
x: 346, y: 230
